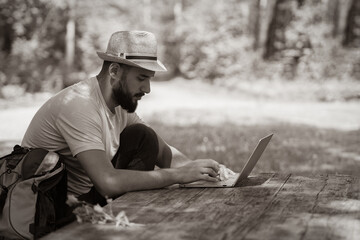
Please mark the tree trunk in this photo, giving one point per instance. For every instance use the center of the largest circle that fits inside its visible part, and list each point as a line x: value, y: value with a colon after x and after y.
x: 68, y: 65
x: 70, y: 36
x: 178, y: 11
x: 275, y: 39
x: 254, y: 22
x: 335, y: 14
x: 352, y: 28
x: 6, y: 37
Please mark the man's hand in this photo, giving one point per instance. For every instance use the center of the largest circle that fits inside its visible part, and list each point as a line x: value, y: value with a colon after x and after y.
x: 224, y: 172
x: 201, y: 169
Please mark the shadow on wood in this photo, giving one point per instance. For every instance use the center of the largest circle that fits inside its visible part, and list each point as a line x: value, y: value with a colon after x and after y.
x: 254, y: 181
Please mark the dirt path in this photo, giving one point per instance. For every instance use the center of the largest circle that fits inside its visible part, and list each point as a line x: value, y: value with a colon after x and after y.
x: 180, y: 102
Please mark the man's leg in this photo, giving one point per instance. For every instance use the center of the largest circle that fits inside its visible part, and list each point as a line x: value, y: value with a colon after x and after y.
x: 138, y: 150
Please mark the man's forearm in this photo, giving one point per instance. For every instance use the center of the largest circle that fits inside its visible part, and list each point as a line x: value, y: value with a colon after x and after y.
x: 121, y: 180
x: 128, y: 180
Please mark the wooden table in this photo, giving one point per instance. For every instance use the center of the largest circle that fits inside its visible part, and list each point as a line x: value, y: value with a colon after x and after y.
x: 266, y: 206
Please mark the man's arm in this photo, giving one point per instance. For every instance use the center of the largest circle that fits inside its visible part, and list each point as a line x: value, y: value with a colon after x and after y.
x: 111, y: 182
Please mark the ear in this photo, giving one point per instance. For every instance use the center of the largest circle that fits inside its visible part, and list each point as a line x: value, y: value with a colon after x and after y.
x: 115, y: 70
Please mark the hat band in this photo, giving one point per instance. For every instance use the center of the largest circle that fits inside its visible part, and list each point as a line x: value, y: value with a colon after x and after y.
x: 136, y: 56
x: 141, y: 58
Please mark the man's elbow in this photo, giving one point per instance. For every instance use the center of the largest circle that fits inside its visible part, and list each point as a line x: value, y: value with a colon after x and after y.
x: 164, y: 157
x: 110, y: 188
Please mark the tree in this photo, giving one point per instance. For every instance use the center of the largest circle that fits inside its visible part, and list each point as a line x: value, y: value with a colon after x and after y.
x: 333, y: 16
x: 37, y: 45
x: 19, y: 19
x: 254, y: 22
x: 70, y: 34
x: 280, y: 17
x: 352, y: 29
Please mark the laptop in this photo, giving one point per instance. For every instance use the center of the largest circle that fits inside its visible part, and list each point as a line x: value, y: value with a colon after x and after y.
x: 233, y: 179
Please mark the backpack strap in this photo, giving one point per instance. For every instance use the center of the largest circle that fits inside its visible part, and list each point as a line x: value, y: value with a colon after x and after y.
x: 3, y: 196
x: 15, y: 156
x: 17, y: 150
x: 12, y: 160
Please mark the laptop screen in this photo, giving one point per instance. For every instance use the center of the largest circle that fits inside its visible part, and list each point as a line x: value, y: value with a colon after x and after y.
x: 255, y: 156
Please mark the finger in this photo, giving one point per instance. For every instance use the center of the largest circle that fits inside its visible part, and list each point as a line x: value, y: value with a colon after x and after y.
x: 216, y: 167
x: 230, y: 171
x: 208, y: 163
x: 209, y: 171
x: 213, y: 164
x: 209, y: 178
x: 226, y: 174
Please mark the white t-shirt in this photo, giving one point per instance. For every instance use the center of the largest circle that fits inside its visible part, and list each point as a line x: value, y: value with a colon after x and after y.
x: 75, y: 120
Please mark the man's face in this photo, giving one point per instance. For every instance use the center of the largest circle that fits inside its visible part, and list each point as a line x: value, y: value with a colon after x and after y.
x: 133, y: 84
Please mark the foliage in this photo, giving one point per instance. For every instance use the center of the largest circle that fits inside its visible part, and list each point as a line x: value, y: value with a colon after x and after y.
x: 37, y: 46
x: 324, y: 57
x: 211, y: 42
x: 198, y: 40
x: 211, y: 36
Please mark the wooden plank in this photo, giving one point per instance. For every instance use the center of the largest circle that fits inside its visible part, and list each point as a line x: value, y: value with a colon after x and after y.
x: 336, y: 213
x: 298, y: 210
x: 213, y: 212
x: 178, y: 213
x: 156, y: 210
x: 146, y: 207
x: 285, y: 217
x: 277, y: 206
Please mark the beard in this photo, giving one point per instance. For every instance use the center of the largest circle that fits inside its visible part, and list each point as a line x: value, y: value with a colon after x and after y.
x: 123, y: 97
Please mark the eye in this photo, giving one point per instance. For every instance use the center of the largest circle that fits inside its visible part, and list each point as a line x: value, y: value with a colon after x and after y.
x: 141, y: 79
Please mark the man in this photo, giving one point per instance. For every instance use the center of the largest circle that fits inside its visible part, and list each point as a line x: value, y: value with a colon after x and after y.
x: 107, y: 148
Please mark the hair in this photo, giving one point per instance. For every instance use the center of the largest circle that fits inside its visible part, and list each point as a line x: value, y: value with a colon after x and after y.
x: 106, y: 65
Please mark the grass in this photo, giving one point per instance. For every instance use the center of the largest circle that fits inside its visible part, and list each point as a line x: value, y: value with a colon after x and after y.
x: 297, y: 149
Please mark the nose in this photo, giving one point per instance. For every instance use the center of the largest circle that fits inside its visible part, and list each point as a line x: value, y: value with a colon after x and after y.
x: 145, y: 88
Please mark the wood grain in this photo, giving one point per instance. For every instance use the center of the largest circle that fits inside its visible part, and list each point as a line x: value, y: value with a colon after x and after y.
x: 267, y: 206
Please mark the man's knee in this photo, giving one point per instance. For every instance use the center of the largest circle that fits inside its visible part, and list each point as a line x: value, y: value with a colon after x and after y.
x: 137, y: 135
x: 139, y: 145
x: 139, y: 131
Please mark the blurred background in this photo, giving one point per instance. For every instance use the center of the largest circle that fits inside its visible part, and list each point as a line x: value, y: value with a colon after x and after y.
x: 237, y: 70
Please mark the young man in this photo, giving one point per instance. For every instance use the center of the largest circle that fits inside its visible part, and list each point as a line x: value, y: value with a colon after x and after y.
x: 107, y: 148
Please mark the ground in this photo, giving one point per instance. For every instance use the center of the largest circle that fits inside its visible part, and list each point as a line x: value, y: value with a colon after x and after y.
x: 206, y: 121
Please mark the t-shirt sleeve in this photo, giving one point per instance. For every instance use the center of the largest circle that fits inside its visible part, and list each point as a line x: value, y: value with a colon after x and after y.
x: 81, y: 128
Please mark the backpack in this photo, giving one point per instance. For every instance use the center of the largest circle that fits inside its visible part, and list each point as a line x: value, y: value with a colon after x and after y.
x: 33, y: 193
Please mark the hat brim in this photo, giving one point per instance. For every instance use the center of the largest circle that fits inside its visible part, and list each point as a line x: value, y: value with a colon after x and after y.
x: 152, y: 65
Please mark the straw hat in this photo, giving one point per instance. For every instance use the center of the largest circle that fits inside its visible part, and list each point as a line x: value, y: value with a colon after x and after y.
x: 134, y: 48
